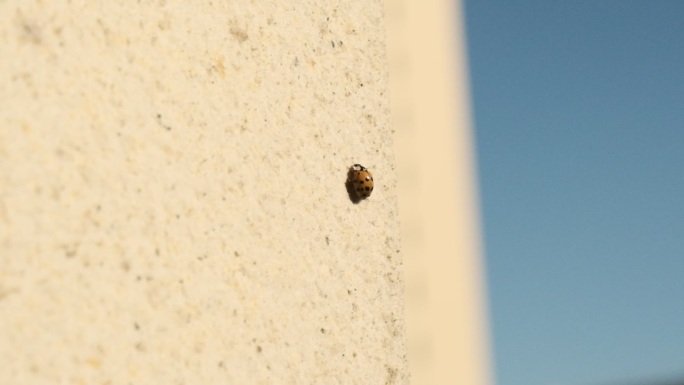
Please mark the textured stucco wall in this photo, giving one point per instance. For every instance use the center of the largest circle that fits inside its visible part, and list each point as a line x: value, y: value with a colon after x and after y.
x: 172, y: 194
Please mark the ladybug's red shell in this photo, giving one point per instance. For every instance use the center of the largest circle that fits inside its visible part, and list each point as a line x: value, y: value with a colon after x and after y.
x: 361, y: 181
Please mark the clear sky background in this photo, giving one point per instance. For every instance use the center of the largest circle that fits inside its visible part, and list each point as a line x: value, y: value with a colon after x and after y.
x: 579, y: 121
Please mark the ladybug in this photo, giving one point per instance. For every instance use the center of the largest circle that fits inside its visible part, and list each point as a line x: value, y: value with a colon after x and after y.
x: 361, y: 181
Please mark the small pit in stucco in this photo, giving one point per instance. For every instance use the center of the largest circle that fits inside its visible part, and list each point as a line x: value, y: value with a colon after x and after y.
x: 239, y: 34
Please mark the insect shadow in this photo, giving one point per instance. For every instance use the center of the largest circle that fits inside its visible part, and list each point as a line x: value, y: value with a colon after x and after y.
x: 350, y: 187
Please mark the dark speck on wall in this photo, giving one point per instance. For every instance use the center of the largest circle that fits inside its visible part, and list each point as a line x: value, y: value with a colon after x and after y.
x: 239, y: 35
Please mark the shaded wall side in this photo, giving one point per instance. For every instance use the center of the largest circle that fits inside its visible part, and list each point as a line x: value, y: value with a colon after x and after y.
x: 447, y: 325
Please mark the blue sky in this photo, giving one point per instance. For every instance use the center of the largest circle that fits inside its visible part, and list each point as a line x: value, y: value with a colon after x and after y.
x: 579, y: 122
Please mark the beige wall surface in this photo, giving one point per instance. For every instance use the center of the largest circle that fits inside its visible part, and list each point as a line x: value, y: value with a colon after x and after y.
x: 172, y: 194
x: 446, y: 313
